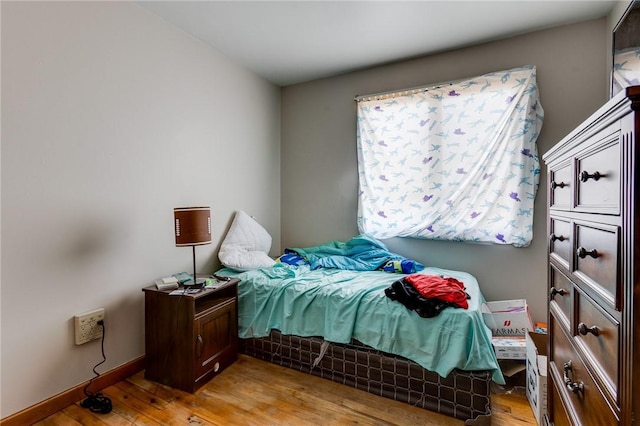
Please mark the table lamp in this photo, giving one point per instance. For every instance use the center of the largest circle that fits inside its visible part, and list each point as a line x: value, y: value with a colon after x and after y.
x: 192, y: 228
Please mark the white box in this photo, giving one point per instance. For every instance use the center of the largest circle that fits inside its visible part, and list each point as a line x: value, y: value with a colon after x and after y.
x: 508, y: 347
x: 537, y: 374
x: 507, y: 317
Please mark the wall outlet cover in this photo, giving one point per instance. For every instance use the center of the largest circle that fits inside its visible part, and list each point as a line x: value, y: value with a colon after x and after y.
x: 86, y: 326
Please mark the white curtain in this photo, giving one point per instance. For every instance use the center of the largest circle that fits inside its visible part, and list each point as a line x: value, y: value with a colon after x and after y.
x: 457, y: 162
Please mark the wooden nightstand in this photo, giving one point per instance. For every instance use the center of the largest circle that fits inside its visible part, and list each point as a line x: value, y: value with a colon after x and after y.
x: 190, y: 338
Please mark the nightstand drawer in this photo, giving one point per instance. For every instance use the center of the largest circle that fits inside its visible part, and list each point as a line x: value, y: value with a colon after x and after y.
x: 598, y: 335
x: 216, y: 339
x: 596, y: 259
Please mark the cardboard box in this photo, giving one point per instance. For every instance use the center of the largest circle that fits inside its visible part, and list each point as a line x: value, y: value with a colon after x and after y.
x: 537, y: 374
x: 507, y: 317
x: 510, y: 347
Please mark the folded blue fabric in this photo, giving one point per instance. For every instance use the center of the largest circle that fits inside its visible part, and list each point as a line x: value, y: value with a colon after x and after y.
x: 292, y: 258
x: 404, y: 266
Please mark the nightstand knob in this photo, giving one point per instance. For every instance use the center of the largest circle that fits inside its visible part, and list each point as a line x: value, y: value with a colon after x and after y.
x: 555, y: 185
x: 555, y: 237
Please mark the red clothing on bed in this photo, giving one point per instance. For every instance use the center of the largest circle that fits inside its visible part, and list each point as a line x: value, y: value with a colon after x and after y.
x: 437, y: 287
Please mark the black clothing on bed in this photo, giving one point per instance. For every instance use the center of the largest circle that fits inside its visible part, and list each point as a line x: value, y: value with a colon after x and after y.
x: 406, y: 294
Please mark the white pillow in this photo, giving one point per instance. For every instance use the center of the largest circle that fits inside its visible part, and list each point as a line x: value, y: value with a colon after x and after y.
x: 246, y: 245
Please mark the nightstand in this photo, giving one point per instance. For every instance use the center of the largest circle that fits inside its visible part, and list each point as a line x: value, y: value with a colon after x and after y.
x: 190, y: 338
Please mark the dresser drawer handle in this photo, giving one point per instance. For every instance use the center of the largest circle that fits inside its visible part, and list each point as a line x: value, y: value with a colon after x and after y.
x: 584, y: 330
x: 560, y: 291
x: 554, y: 237
x: 555, y: 185
x: 582, y: 253
x: 585, y: 176
x: 575, y: 387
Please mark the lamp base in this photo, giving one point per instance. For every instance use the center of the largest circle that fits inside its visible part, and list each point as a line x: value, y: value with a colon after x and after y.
x: 198, y: 284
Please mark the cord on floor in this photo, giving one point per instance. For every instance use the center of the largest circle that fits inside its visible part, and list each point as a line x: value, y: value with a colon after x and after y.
x: 97, y: 403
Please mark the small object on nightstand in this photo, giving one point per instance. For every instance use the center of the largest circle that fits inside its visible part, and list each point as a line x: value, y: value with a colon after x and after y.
x: 185, y: 290
x: 215, y: 281
x: 220, y: 277
x: 166, y: 283
x: 182, y: 277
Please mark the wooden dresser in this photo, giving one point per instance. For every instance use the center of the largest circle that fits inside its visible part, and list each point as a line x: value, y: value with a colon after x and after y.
x: 594, y: 266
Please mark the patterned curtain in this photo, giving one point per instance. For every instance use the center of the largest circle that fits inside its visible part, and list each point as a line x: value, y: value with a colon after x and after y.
x: 455, y: 163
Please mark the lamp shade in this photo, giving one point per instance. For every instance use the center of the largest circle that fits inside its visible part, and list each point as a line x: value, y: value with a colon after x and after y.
x: 192, y: 226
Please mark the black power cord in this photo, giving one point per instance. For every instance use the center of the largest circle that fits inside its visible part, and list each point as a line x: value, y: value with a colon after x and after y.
x: 96, y: 402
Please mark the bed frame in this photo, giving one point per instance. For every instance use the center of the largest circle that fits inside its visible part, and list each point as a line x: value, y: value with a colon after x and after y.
x: 462, y: 394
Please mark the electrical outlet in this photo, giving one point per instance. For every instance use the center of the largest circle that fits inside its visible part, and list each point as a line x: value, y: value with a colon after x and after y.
x: 86, y: 326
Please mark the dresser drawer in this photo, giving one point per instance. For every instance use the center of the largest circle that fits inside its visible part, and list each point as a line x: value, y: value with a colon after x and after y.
x: 580, y: 393
x: 596, y: 259
x: 560, y: 186
x: 560, y: 247
x: 598, y: 178
x: 598, y: 335
x: 560, y: 294
x: 558, y: 415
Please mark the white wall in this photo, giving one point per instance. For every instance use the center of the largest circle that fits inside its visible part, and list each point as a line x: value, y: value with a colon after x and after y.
x: 110, y: 119
x: 319, y: 163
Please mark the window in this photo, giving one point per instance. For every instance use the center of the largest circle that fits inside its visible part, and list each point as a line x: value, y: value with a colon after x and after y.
x: 456, y: 162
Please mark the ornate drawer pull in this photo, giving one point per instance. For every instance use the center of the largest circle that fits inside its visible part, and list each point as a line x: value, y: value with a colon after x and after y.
x: 582, y: 253
x: 558, y: 185
x: 560, y: 291
x: 575, y: 387
x: 584, y: 330
x: 555, y: 237
x: 585, y: 176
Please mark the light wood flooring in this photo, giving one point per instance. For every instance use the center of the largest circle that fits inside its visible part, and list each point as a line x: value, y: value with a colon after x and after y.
x: 254, y: 392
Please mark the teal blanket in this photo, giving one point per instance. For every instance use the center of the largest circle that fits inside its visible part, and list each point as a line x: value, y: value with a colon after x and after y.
x: 361, y: 253
x: 339, y: 305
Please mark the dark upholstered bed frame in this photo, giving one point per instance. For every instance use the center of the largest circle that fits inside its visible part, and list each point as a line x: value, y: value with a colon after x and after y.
x: 462, y: 394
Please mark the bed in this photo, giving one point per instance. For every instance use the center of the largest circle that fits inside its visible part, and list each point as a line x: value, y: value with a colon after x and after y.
x: 331, y: 315
x: 338, y: 324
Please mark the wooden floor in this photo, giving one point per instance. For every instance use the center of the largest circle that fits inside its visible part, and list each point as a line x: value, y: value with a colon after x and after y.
x: 254, y: 392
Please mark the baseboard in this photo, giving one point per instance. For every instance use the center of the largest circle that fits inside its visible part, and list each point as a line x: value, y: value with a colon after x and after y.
x: 56, y: 403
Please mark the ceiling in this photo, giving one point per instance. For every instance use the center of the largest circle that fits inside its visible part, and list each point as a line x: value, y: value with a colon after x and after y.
x: 289, y: 42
